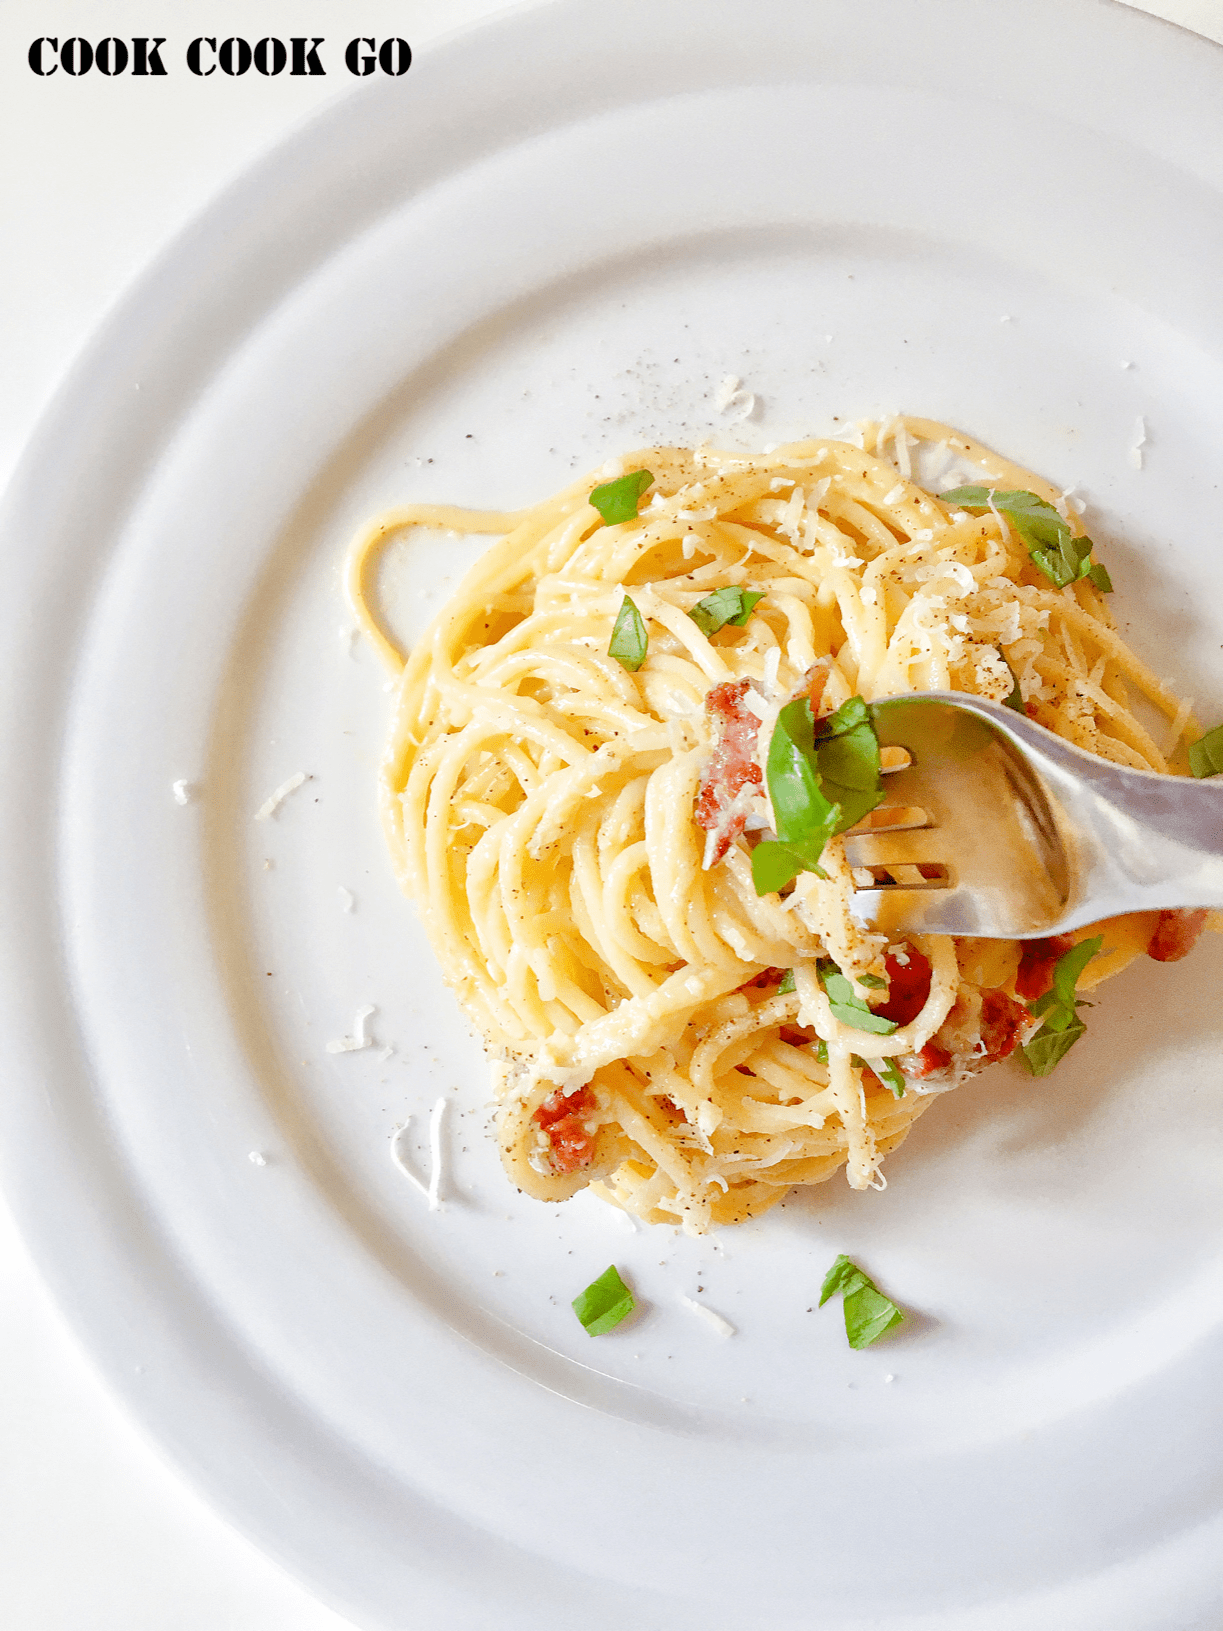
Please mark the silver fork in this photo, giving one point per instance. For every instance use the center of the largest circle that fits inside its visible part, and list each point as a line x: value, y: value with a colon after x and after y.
x: 999, y: 828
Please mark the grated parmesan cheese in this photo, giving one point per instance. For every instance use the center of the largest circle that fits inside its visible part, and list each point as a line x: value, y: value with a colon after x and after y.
x: 346, y: 898
x: 183, y: 792
x: 1139, y: 442
x: 270, y: 805
x: 715, y: 1322
x: 360, y: 1037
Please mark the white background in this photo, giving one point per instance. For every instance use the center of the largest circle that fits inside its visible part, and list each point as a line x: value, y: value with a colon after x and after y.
x: 96, y: 176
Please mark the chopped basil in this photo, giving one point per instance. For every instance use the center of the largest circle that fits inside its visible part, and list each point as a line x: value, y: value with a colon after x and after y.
x: 890, y: 1074
x: 729, y: 605
x: 846, y: 1005
x: 872, y: 982
x: 1206, y: 754
x: 604, y: 1303
x: 1059, y: 1009
x: 787, y: 983
x: 629, y: 638
x: 1061, y: 556
x: 618, y: 500
x: 1015, y: 700
x: 887, y: 1070
x: 822, y: 779
x: 868, y: 1313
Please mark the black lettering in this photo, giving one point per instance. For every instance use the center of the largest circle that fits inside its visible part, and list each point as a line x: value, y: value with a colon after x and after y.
x: 76, y: 56
x: 111, y: 56
x: 395, y: 57
x: 270, y: 57
x: 306, y: 62
x: 193, y: 56
x: 234, y: 57
x: 147, y: 57
x: 35, y: 56
x: 358, y: 64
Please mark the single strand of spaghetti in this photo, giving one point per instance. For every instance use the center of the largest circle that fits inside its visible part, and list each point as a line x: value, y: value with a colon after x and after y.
x: 1000, y: 472
x: 373, y: 537
x: 799, y: 639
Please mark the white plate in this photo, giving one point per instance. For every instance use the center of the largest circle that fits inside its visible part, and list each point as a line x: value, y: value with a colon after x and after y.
x: 553, y: 249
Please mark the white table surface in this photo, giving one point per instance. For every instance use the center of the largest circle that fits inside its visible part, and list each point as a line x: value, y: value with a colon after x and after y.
x: 97, y: 1533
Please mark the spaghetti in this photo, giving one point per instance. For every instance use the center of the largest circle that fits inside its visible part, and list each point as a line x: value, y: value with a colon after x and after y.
x: 576, y: 832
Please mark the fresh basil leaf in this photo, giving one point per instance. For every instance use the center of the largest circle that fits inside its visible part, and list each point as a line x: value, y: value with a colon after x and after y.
x: 847, y: 1006
x: 787, y: 985
x: 851, y: 758
x: 1098, y: 573
x: 890, y: 1074
x: 1049, y: 540
x: 618, y: 500
x: 1068, y: 969
x: 872, y: 982
x: 1015, y: 700
x: 816, y: 787
x: 774, y: 865
x: 848, y: 717
x: 1206, y: 754
x: 1059, y: 1007
x: 604, y: 1303
x: 821, y: 1050
x: 842, y: 1276
x: 1049, y: 1047
x: 730, y: 605
x: 868, y: 1313
x: 966, y: 498
x: 629, y: 638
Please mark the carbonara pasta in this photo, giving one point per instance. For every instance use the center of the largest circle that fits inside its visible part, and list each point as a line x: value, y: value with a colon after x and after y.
x: 577, y: 830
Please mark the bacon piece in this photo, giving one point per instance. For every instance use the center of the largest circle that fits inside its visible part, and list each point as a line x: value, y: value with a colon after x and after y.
x: 1036, y: 965
x: 908, y: 987
x: 731, y: 768
x: 1176, y: 933
x: 561, y: 1118
x: 934, y: 1056
x: 1002, y: 1024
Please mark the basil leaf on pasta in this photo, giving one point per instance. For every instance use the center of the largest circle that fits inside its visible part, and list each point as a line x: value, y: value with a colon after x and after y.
x: 1015, y: 700
x: 1059, y: 1009
x: 618, y: 500
x: 1098, y: 573
x: 629, y: 638
x: 847, y: 1006
x: 787, y: 983
x: 604, y: 1303
x: 822, y: 779
x: 1206, y: 754
x: 868, y: 1313
x: 731, y: 605
x: 1050, y: 543
x: 890, y: 1074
